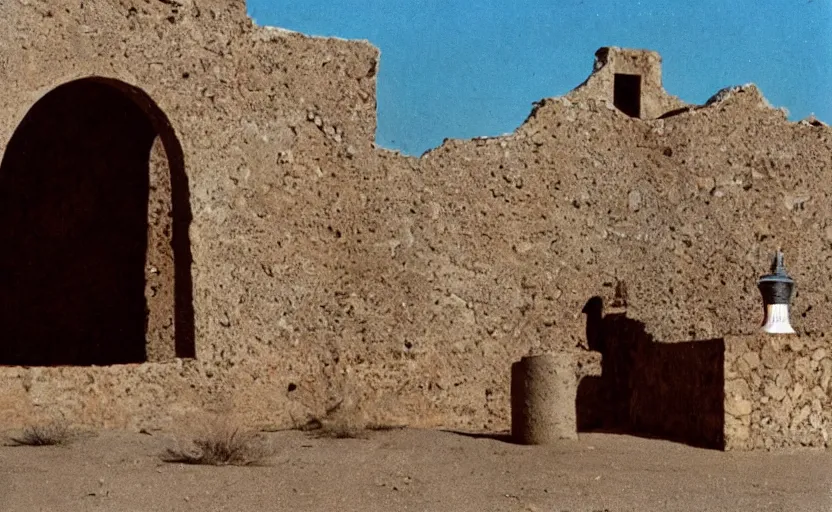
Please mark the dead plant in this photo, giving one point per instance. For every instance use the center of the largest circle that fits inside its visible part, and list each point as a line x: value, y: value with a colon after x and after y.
x: 347, y: 426
x: 222, y: 446
x: 340, y: 428
x: 55, y: 433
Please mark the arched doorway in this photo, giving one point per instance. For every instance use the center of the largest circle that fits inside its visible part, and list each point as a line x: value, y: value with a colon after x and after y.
x: 94, y: 214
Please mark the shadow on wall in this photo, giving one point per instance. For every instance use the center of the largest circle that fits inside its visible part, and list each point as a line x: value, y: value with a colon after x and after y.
x: 672, y: 391
x: 74, y: 188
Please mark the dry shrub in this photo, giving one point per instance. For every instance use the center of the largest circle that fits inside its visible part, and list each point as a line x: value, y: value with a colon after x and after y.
x: 340, y: 428
x: 346, y: 429
x: 384, y: 427
x: 340, y: 423
x: 222, y: 446
x: 48, y: 434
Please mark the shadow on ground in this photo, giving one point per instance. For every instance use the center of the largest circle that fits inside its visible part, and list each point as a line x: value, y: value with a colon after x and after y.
x: 504, y: 436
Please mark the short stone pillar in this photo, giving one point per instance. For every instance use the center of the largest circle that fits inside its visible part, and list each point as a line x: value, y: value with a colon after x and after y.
x: 543, y: 392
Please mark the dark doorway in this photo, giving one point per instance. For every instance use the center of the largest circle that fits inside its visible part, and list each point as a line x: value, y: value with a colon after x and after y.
x: 627, y: 94
x: 74, y: 188
x: 672, y: 391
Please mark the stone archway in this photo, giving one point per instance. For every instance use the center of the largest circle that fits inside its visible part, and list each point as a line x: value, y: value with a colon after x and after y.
x: 94, y: 249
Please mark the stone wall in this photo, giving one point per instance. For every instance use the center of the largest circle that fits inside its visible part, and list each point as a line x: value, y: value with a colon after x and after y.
x: 777, y: 391
x: 747, y: 392
x: 240, y: 100
x: 325, y: 271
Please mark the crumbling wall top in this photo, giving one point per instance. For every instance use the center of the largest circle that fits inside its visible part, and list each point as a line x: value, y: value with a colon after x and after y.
x: 631, y: 80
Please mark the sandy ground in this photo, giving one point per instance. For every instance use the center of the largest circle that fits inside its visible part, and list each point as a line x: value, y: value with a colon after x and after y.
x: 414, y: 470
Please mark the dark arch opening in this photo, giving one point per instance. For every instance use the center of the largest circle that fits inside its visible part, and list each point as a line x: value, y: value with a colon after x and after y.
x: 74, y: 188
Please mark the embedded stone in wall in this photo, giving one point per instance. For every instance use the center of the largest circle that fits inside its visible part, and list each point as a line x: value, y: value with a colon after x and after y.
x: 777, y: 392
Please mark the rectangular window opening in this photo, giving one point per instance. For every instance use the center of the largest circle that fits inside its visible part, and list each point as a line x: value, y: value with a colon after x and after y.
x: 627, y: 94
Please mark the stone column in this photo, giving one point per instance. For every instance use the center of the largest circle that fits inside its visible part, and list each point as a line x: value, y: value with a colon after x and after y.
x: 543, y: 392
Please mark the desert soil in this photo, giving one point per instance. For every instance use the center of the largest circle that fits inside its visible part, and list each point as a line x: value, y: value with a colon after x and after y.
x: 415, y: 470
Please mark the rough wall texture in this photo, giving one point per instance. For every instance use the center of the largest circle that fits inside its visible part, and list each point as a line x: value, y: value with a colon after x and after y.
x: 777, y: 392
x: 160, y: 267
x: 325, y: 271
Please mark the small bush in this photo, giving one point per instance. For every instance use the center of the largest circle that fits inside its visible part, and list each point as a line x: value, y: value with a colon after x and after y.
x: 342, y: 421
x: 344, y: 428
x: 338, y: 429
x: 49, y: 434
x: 222, y: 447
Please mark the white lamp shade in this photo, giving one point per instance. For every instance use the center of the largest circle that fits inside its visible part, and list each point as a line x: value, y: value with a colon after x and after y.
x: 777, y: 319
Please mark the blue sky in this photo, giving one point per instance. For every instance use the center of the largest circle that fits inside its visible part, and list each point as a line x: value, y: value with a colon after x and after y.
x: 462, y: 68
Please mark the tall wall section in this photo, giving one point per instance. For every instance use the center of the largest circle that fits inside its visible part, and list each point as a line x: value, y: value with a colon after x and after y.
x: 326, y: 271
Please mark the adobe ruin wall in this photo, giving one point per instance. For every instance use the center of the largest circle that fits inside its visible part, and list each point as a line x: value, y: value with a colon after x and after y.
x: 327, y: 271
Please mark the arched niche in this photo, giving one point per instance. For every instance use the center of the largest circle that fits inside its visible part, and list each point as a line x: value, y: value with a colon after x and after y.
x: 95, y: 258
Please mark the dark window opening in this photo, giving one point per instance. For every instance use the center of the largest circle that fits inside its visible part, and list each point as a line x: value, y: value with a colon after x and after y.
x: 627, y: 94
x: 74, y: 229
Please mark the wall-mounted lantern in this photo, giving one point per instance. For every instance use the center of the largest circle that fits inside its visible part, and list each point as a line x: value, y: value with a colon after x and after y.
x: 776, y: 289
